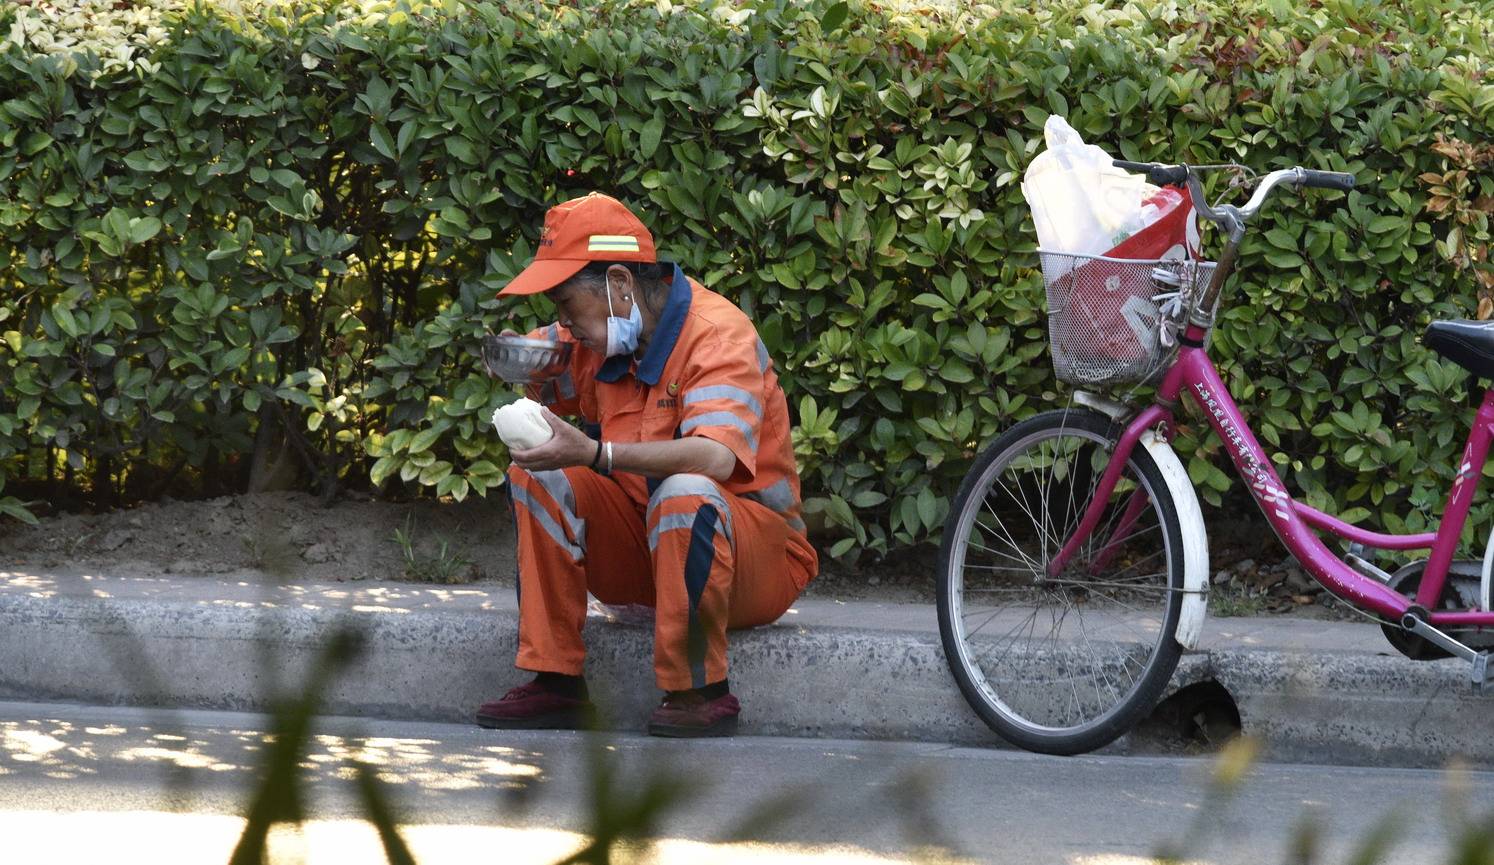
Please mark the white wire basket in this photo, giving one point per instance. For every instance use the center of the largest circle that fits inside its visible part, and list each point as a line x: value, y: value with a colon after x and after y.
x: 1115, y: 321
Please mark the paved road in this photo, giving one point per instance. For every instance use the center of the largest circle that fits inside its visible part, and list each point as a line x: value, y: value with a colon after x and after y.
x: 90, y: 784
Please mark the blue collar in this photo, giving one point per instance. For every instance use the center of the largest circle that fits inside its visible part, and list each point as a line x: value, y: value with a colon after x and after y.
x: 661, y: 344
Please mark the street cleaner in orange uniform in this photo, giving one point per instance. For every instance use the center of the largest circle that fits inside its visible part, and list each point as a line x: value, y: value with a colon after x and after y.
x: 687, y: 500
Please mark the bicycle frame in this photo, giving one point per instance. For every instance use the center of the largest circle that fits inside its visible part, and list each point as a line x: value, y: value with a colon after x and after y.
x: 1295, y: 523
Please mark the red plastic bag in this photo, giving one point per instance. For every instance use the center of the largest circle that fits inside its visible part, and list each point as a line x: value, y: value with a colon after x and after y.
x: 1173, y: 234
x: 1108, y: 324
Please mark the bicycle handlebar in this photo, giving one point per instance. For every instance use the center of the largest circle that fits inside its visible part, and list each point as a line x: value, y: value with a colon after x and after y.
x: 1162, y: 175
x: 1327, y: 179
x: 1230, y: 218
x: 1156, y: 173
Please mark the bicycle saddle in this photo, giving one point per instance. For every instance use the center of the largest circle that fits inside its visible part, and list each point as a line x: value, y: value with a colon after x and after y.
x: 1469, y: 344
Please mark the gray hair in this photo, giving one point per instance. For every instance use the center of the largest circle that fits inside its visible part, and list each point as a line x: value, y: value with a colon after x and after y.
x: 653, y: 279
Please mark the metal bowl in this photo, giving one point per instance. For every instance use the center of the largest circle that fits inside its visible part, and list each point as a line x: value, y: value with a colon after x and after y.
x: 522, y: 360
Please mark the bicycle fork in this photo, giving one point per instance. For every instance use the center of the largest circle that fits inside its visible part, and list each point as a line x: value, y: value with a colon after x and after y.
x: 1178, y: 487
x: 1108, y: 479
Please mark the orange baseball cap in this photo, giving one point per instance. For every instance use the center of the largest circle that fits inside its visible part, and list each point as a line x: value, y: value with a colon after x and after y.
x: 595, y: 227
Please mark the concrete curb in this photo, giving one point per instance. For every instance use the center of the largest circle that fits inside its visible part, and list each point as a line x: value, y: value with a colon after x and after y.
x: 436, y: 654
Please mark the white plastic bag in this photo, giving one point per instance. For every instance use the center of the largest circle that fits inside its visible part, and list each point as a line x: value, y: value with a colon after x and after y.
x: 1081, y: 203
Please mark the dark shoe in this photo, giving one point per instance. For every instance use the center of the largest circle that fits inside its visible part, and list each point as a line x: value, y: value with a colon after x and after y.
x: 689, y: 714
x: 535, y: 706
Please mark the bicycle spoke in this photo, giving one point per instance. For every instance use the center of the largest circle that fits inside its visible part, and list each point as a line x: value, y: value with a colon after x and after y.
x: 1028, y: 511
x: 1014, y: 545
x: 1060, y: 653
x: 985, y: 549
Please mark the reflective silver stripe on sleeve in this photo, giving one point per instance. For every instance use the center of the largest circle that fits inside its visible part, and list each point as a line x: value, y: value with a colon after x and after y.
x: 700, y: 486
x: 521, y: 496
x: 725, y: 391
x: 762, y: 357
x: 721, y: 418
x: 566, y: 386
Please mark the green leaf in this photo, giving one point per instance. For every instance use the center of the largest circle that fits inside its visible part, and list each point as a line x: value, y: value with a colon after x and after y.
x: 928, y: 508
x: 35, y: 143
x: 65, y: 320
x: 434, y: 473
x: 483, y: 468
x: 835, y: 16
x: 381, y: 140
x: 423, y: 440
x: 461, y: 148
x: 13, y: 507
x: 384, y: 468
x: 648, y: 137
x: 143, y: 228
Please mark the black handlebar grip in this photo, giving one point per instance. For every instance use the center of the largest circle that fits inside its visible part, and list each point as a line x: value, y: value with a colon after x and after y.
x: 1156, y: 172
x: 1327, y: 180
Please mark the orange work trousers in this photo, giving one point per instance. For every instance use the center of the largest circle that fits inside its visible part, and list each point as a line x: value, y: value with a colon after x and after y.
x: 705, y: 560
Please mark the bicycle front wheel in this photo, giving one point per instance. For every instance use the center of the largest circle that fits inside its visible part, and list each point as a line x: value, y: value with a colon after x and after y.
x: 1060, y: 663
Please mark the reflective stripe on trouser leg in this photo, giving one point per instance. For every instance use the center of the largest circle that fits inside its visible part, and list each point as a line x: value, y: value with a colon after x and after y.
x: 690, y: 537
x: 552, y: 579
x: 513, y: 515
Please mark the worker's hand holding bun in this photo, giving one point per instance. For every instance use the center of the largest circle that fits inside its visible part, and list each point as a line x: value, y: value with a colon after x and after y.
x: 558, y: 446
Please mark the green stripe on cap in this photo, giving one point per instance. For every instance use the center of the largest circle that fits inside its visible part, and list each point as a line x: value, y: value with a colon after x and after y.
x: 611, y: 243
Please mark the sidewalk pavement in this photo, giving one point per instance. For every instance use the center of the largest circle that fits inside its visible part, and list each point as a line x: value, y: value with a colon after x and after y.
x: 1312, y: 691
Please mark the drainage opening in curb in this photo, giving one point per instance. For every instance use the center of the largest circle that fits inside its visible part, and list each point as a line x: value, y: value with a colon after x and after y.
x: 1202, y: 715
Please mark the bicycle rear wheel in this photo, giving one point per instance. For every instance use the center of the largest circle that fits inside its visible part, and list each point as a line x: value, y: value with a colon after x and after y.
x: 1065, y: 663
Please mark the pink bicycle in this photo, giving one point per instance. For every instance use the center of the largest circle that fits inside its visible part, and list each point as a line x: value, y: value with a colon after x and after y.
x: 1074, y: 568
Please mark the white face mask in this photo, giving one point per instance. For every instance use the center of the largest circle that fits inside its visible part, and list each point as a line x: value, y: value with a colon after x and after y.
x: 622, y: 333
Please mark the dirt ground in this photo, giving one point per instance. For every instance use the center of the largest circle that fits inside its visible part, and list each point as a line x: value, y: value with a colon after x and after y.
x: 284, y: 534
x: 291, y: 536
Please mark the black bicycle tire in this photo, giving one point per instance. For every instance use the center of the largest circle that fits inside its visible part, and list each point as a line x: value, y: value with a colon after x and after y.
x: 1164, y: 660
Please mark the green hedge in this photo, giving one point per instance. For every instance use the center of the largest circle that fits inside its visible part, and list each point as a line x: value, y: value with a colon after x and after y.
x: 284, y: 237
